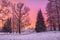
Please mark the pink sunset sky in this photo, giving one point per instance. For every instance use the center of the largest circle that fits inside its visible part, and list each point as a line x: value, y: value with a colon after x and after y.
x: 34, y: 6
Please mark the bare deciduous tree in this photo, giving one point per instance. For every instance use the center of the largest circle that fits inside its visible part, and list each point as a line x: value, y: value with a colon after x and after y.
x: 20, y: 14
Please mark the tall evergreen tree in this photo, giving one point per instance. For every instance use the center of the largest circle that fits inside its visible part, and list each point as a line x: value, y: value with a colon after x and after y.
x: 40, y: 26
x: 7, y: 26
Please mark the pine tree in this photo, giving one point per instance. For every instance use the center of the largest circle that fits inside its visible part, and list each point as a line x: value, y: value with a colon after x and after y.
x: 40, y: 26
x: 7, y: 26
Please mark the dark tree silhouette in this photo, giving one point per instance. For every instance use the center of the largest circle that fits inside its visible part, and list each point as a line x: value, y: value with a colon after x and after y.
x: 7, y: 26
x: 40, y: 26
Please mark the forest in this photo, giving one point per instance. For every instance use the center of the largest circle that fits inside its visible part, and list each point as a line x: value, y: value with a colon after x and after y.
x: 14, y: 17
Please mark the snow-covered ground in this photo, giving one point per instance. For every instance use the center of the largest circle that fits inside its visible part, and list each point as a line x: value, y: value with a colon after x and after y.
x: 55, y: 35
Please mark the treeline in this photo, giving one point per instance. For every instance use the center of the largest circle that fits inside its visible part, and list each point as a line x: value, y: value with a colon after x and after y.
x: 53, y: 13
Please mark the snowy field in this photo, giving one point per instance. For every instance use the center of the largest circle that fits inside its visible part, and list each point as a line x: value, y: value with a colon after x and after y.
x: 55, y: 35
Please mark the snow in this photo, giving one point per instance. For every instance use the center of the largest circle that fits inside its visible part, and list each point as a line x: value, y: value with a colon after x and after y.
x: 28, y: 31
x: 54, y: 35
